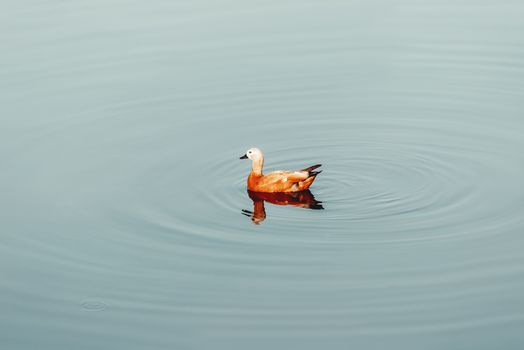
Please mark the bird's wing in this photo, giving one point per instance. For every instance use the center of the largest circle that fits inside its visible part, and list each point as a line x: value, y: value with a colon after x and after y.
x: 285, y: 176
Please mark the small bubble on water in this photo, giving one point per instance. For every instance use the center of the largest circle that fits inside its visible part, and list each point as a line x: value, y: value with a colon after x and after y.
x: 93, y: 305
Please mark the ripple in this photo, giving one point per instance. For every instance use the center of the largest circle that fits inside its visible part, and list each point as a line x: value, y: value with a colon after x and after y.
x: 417, y: 189
x: 93, y: 305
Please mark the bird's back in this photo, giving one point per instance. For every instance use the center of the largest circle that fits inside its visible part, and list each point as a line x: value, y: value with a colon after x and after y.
x: 282, y: 181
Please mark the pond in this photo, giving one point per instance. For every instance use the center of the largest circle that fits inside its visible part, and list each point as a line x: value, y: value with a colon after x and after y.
x: 126, y: 221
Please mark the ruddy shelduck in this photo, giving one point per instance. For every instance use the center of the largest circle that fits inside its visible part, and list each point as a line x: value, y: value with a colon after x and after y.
x: 277, y: 181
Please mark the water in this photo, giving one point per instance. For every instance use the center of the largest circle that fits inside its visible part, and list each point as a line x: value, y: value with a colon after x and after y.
x: 121, y: 124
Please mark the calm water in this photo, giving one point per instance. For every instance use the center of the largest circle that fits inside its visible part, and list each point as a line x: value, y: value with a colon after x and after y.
x: 121, y: 124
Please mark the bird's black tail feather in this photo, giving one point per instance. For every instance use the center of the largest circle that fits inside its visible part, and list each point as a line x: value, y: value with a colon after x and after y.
x: 311, y: 168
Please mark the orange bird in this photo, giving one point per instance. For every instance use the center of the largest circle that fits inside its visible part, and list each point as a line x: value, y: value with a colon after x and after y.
x: 277, y: 181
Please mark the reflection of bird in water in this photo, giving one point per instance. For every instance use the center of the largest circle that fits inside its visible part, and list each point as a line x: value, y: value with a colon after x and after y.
x: 303, y: 199
x: 277, y: 181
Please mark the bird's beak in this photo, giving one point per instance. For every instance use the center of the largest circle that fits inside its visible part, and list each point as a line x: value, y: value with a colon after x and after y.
x: 243, y: 157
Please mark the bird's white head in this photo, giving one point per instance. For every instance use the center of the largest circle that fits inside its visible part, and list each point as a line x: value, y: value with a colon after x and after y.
x: 253, y: 154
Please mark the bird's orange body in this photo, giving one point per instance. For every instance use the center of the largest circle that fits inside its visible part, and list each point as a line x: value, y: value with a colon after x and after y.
x: 277, y: 181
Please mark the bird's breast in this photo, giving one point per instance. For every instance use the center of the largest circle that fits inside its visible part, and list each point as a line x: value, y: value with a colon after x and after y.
x: 253, y: 180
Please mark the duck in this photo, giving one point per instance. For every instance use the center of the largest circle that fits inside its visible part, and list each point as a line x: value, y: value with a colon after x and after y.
x: 277, y: 181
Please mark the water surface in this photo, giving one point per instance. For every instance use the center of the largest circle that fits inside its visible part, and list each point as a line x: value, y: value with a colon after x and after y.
x: 121, y: 124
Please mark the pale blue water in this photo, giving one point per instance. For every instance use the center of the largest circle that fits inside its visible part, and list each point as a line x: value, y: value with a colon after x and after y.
x: 121, y: 124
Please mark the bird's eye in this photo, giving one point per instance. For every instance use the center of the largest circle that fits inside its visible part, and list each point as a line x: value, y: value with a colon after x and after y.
x: 248, y: 152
